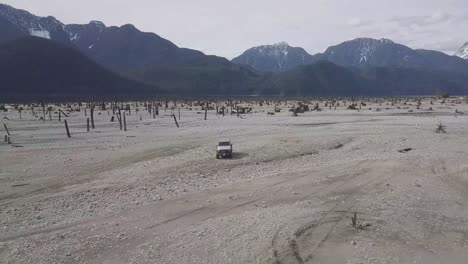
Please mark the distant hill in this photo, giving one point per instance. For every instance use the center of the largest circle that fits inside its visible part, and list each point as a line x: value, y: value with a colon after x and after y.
x: 33, y: 66
x: 328, y: 79
x: 322, y: 78
x: 279, y: 57
x: 207, y: 75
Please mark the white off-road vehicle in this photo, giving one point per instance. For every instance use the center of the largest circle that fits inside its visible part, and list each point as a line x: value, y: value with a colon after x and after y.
x: 224, y: 150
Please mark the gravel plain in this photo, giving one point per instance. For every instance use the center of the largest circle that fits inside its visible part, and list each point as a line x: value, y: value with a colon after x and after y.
x: 157, y: 194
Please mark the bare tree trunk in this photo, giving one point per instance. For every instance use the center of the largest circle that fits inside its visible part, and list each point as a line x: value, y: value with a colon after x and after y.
x: 6, y: 128
x: 92, y: 117
x: 119, y: 116
x: 175, y: 120
x: 66, y: 127
x: 125, y: 122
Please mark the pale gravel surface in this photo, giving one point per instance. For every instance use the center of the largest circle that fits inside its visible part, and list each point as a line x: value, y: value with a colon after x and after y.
x: 156, y: 193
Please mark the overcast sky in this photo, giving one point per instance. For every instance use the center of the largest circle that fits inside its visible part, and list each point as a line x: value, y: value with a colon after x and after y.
x: 228, y: 27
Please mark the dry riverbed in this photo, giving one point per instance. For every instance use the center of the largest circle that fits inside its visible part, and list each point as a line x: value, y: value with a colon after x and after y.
x: 157, y: 194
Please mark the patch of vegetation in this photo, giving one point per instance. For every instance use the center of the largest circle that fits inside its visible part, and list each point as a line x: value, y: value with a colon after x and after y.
x: 441, y: 129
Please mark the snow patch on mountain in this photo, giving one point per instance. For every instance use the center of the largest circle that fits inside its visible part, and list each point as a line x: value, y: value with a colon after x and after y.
x: 40, y: 33
x: 368, y: 47
x: 277, y: 50
x: 73, y: 37
x: 463, y: 52
x: 44, y: 27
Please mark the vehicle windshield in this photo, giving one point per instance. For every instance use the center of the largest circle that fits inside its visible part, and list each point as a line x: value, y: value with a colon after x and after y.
x: 224, y: 143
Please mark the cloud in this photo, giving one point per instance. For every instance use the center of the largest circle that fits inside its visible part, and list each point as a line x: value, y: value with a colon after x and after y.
x: 428, y: 20
x: 439, y: 30
x: 358, y: 22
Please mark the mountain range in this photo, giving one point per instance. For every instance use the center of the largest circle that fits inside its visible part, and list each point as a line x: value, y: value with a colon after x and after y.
x: 361, y: 52
x: 49, y: 57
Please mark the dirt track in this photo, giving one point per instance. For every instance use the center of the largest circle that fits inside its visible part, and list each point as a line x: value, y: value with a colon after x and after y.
x: 156, y: 194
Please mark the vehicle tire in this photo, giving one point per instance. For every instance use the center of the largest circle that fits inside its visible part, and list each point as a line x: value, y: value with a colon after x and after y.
x: 217, y: 156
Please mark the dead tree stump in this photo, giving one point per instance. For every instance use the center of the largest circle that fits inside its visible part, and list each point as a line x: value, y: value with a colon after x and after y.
x: 125, y: 122
x: 119, y: 116
x: 6, y: 128
x: 92, y: 117
x: 43, y: 113
x: 175, y: 120
x: 66, y: 127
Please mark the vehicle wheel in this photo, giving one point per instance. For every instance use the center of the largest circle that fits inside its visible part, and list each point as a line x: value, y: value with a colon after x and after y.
x: 217, y: 156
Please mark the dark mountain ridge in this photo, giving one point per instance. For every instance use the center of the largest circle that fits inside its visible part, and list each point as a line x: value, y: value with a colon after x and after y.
x: 33, y: 66
x: 125, y: 48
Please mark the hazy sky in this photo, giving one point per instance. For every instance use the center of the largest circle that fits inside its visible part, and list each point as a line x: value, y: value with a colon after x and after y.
x: 228, y: 27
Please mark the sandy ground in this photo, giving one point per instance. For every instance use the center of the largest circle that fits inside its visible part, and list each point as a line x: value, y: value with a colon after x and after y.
x: 157, y: 194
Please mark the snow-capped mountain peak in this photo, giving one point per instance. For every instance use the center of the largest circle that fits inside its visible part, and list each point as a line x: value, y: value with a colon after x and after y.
x: 277, y: 50
x: 463, y: 52
x: 277, y: 57
x: 367, y: 51
x: 281, y: 44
